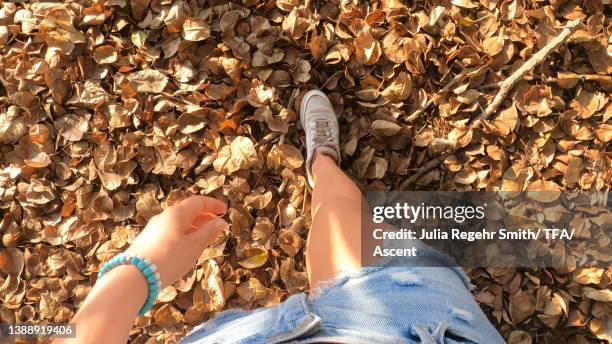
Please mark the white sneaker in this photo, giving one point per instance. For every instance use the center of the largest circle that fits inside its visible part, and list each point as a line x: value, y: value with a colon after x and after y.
x: 321, y: 126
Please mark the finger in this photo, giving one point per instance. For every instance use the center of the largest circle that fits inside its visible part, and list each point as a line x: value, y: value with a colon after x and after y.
x: 202, y: 204
x: 209, y: 230
x: 186, y: 211
x: 199, y: 221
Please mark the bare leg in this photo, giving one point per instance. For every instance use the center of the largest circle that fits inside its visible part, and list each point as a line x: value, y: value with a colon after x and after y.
x: 334, y: 241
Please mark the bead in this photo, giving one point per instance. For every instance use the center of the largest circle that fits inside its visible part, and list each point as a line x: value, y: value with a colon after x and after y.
x: 146, y: 306
x: 142, y: 265
x: 151, y: 279
x: 146, y: 267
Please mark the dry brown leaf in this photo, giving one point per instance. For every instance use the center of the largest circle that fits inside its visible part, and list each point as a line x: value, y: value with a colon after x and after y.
x: 588, y: 275
x: 604, y: 295
x: 148, y: 81
x: 251, y: 290
x: 35, y: 157
x: 254, y: 258
x: 385, y: 128
x: 464, y: 3
x: 522, y: 306
x: 195, y: 29
x: 493, y: 45
x: 239, y: 154
x: 367, y: 48
x: 601, y: 329
x: 11, y: 261
x: 12, y: 126
x: 290, y: 242
x: 169, y: 318
x: 105, y: 54
x: 466, y: 176
x: 189, y: 123
x: 543, y: 191
x: 285, y: 155
x: 72, y: 127
x: 519, y: 337
x: 399, y: 89
x: 318, y: 46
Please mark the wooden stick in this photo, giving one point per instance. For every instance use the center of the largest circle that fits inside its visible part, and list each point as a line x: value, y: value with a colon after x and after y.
x: 505, y: 88
x: 533, y: 61
x: 583, y: 77
x: 428, y: 166
x: 566, y: 76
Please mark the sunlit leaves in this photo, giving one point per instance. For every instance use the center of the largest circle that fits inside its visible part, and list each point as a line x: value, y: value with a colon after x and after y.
x: 148, y: 81
x: 112, y: 110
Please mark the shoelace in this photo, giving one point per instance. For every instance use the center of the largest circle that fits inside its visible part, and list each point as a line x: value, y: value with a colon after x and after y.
x: 322, y: 131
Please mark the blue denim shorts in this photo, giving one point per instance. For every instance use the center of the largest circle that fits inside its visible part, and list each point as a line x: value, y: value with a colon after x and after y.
x: 382, y: 304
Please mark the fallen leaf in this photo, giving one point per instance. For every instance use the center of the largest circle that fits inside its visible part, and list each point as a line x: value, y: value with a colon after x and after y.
x: 195, y: 29
x: 255, y: 257
x: 105, y: 54
x: 493, y: 45
x: 148, y: 81
x: 399, y: 89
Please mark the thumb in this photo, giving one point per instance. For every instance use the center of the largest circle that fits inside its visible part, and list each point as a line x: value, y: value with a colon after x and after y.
x: 208, y: 228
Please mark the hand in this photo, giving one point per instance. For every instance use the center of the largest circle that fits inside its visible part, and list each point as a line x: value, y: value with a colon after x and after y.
x: 175, y: 238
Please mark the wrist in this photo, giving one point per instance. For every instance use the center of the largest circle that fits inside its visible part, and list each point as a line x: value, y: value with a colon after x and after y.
x: 113, y: 302
x: 148, y: 269
x: 127, y: 278
x: 125, y: 284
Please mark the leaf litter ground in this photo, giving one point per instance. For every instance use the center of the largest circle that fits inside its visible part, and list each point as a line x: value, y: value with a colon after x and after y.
x: 112, y: 110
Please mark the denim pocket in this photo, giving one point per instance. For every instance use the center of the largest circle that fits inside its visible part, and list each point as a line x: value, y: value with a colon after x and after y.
x: 307, y: 326
x: 294, y: 320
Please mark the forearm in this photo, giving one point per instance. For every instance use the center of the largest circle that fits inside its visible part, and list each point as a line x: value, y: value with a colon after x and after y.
x: 172, y: 245
x: 109, y: 311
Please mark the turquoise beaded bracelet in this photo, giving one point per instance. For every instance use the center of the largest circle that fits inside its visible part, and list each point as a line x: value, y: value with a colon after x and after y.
x: 148, y: 269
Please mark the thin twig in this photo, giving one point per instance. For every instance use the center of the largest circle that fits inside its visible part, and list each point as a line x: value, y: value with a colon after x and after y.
x: 537, y: 58
x: 583, y: 77
x: 428, y: 166
x: 505, y: 88
x: 413, y: 117
x: 566, y: 76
